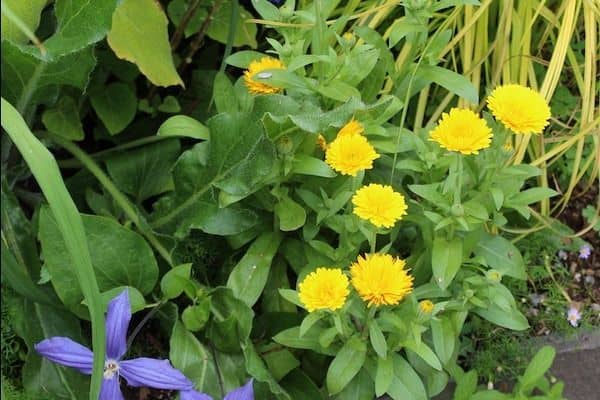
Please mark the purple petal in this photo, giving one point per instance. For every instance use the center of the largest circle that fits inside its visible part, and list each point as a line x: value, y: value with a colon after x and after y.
x: 193, y: 395
x: 64, y: 351
x: 157, y: 374
x: 117, y: 322
x: 110, y: 389
x: 245, y: 392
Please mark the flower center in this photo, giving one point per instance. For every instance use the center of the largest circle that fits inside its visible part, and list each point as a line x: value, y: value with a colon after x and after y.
x: 111, y: 367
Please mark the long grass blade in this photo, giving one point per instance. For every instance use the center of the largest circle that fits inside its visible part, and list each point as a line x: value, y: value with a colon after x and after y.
x: 45, y: 170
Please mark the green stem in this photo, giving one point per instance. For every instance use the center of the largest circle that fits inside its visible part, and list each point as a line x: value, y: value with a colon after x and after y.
x: 459, y: 179
x: 119, y: 197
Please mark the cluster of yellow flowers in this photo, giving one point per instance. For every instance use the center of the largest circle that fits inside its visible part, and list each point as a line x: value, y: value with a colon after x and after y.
x: 379, y: 279
x: 518, y: 108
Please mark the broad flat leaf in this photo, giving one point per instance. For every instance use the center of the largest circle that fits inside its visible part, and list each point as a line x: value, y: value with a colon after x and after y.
x: 359, y: 388
x: 41, y: 378
x: 193, y: 359
x: 139, y: 34
x: 407, y: 383
x: 248, y: 278
x: 300, y: 386
x: 116, y: 105
x: 63, y: 120
x: 80, y: 23
x: 120, y: 257
x: 257, y: 368
x: 451, y: 81
x: 28, y: 12
x: 145, y: 171
x: 446, y: 259
x: 237, y: 157
x: 502, y: 255
x: 245, y: 33
x: 346, y: 364
x: 538, y: 366
x: 183, y: 126
x: 19, y: 68
x: 291, y: 215
x: 511, y: 319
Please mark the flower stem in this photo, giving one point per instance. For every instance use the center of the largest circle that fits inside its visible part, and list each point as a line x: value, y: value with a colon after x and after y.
x: 459, y: 179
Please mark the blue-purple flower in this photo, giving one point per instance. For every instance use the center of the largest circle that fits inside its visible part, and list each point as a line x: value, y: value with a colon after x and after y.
x: 585, y: 251
x: 149, y: 372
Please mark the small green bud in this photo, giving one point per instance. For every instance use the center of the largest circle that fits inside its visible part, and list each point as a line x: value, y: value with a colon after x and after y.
x: 493, y: 276
x: 458, y: 210
x: 285, y: 145
x: 469, y: 293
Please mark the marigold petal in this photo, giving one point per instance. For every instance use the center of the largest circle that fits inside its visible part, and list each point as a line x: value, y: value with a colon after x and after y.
x: 258, y: 87
x: 462, y: 130
x: 519, y: 108
x: 379, y: 204
x: 381, y: 279
x: 325, y: 288
x: 350, y: 154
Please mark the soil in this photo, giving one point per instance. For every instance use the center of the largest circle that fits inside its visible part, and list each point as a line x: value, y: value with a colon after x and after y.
x: 585, y: 287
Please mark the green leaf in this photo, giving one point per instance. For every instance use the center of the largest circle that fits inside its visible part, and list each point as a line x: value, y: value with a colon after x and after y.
x: 196, y: 362
x: 178, y: 8
x: 70, y: 227
x: 307, y: 165
x: 120, y: 257
x: 466, y: 386
x: 249, y: 276
x: 116, y: 105
x: 291, y: 296
x: 291, y: 214
x: 28, y: 80
x: 300, y: 386
x: 239, y: 157
x: 359, y: 388
x: 309, y: 341
x: 338, y: 90
x: 279, y: 362
x: 384, y: 375
x: 135, y: 297
x: 346, y: 364
x: 224, y: 95
x: 536, y: 369
x: 407, y: 383
x: 242, y: 59
x: 511, y: 319
x: 444, y: 338
x: 40, y: 377
x: 173, y: 282
x: 377, y: 339
x: 308, y: 321
x: 146, y: 171
x: 529, y: 196
x: 245, y: 33
x: 28, y: 12
x: 63, y: 120
x: 195, y: 317
x: 446, y: 259
x: 451, y: 81
x: 139, y: 34
x: 423, y: 351
x: 500, y: 254
x: 80, y: 24
x: 258, y: 370
x: 183, y: 126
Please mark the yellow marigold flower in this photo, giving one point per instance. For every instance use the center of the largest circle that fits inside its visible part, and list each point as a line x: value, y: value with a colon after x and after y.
x: 462, y: 130
x: 325, y: 288
x: 256, y: 86
x: 379, y: 204
x: 426, y: 306
x: 322, y: 142
x: 349, y: 154
x: 519, y: 108
x: 351, y: 128
x: 381, y: 279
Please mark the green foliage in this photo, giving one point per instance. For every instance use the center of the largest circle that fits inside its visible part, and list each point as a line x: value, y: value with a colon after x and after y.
x: 236, y: 197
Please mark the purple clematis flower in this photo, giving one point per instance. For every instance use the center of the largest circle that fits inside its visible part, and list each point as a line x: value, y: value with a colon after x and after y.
x: 149, y: 372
